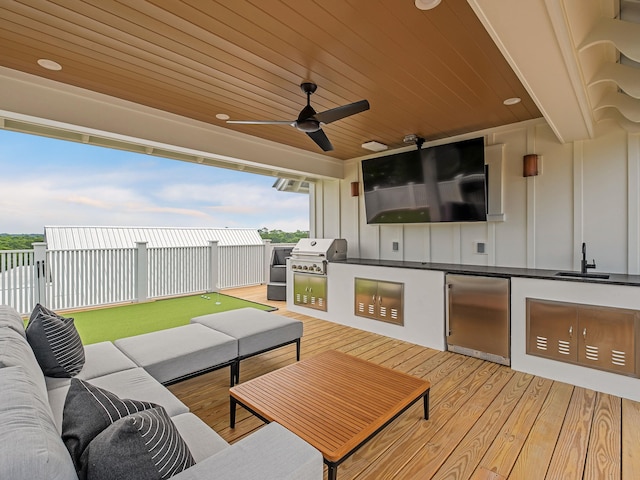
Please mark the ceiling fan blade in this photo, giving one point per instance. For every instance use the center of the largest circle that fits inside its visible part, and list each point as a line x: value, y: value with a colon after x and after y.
x: 263, y: 122
x: 321, y: 139
x: 337, y: 113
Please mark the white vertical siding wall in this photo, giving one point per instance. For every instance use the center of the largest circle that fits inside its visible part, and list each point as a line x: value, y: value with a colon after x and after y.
x: 17, y: 273
x: 587, y: 191
x: 81, y: 278
x: 177, y: 271
x: 241, y: 265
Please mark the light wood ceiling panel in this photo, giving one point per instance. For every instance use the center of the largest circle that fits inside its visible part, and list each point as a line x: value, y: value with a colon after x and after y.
x: 433, y: 73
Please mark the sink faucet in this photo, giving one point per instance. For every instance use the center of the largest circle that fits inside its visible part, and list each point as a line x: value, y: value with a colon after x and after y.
x: 583, y: 264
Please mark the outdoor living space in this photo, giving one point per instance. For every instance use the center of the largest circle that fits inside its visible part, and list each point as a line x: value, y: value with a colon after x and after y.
x: 486, y: 420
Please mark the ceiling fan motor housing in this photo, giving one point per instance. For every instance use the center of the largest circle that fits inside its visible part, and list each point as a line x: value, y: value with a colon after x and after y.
x: 306, y: 122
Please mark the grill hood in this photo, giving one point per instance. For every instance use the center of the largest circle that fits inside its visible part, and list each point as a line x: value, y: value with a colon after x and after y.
x: 330, y: 249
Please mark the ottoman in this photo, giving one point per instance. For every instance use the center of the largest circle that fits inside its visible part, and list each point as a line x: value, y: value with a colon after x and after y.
x: 177, y: 353
x: 255, y: 330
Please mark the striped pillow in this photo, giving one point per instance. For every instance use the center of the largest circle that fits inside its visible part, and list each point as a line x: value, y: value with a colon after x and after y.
x: 141, y: 446
x: 88, y: 410
x: 55, y: 343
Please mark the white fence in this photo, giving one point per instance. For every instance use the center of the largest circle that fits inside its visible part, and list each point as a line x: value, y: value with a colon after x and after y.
x: 71, y: 279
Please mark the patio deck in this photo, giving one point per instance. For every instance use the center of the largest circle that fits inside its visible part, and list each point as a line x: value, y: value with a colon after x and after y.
x: 486, y: 420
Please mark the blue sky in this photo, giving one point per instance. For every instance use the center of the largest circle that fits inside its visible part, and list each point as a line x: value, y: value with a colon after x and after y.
x: 53, y: 182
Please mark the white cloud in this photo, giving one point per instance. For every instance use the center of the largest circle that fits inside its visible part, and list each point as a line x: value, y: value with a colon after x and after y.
x: 149, y: 191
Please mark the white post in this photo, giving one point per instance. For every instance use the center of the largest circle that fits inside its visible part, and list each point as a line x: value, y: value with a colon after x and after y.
x: 213, y: 266
x: 40, y: 272
x: 142, y: 272
x: 268, y: 251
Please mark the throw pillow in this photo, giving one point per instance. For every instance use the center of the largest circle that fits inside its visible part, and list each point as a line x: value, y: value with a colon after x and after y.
x: 141, y: 446
x: 55, y: 343
x: 88, y: 410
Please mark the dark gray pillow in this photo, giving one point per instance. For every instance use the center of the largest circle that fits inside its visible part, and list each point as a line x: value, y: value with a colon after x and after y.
x: 141, y: 446
x: 88, y: 410
x: 55, y: 343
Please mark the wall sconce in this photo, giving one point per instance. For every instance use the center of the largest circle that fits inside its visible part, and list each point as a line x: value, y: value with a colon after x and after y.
x: 530, y: 165
x: 355, y: 189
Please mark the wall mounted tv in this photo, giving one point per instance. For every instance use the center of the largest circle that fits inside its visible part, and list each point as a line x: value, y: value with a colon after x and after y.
x: 445, y: 183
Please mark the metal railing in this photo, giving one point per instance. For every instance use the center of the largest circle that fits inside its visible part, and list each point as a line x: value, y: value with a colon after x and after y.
x: 72, y: 279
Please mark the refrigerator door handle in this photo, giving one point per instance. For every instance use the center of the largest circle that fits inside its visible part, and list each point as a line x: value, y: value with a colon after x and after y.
x: 447, y: 303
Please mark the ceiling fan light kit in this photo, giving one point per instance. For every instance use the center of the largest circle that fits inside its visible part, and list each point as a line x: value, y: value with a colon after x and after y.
x: 309, y: 121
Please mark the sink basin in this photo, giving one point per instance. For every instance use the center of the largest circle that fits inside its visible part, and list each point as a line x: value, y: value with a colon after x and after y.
x: 582, y: 275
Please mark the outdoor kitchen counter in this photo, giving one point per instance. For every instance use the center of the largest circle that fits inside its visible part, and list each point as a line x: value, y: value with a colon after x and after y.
x: 425, y: 310
x: 540, y: 274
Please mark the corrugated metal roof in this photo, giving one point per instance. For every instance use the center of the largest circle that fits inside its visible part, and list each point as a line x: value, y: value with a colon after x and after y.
x: 87, y: 238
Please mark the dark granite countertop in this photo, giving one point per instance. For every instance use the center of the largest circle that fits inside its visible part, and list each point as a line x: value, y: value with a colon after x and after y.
x: 614, y: 278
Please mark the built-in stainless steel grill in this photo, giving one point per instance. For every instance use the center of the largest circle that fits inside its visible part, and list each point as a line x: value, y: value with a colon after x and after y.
x: 310, y: 255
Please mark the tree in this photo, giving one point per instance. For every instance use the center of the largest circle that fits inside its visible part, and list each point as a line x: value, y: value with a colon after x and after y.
x: 19, y: 241
x: 278, y: 236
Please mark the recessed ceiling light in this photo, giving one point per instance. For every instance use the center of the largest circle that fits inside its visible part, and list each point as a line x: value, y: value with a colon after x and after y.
x: 427, y: 4
x: 374, y: 146
x: 49, y: 64
x: 222, y: 116
x: 512, y: 101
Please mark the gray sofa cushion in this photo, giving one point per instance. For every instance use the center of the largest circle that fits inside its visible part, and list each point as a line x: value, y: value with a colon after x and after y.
x: 55, y: 342
x: 255, y: 330
x: 88, y: 410
x: 134, y: 383
x: 31, y: 446
x: 100, y: 359
x: 14, y: 351
x: 271, y: 453
x: 179, y: 351
x: 141, y: 446
x: 201, y: 439
x: 10, y: 318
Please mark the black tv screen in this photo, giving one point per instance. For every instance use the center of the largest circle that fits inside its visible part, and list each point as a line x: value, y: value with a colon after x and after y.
x: 445, y: 183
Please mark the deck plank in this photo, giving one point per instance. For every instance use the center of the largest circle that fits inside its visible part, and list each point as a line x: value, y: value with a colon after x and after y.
x: 538, y: 449
x: 526, y: 428
x: 630, y: 440
x: 603, y: 454
x: 504, y: 451
x: 466, y: 456
x: 570, y: 454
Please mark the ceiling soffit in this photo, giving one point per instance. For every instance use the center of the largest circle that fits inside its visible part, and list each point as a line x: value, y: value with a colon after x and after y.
x: 434, y: 73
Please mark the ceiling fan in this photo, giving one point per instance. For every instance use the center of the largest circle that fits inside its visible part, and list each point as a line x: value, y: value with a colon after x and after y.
x: 309, y: 121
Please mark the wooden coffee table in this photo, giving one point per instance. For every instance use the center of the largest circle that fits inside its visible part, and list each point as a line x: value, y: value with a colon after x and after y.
x: 334, y: 401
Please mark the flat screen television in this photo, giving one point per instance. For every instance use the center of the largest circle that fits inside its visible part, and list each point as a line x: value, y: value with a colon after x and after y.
x: 444, y: 183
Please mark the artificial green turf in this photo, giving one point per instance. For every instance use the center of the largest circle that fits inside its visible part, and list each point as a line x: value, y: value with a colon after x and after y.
x: 124, y: 321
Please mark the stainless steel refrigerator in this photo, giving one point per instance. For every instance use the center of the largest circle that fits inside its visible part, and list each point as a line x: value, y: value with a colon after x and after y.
x: 477, y: 311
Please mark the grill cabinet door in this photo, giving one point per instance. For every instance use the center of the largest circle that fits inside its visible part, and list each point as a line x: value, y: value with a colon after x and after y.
x: 318, y: 292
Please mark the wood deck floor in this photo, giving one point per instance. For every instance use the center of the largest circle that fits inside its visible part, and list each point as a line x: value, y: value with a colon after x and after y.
x: 486, y: 420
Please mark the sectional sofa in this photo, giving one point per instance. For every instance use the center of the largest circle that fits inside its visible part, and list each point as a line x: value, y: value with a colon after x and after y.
x: 38, y: 411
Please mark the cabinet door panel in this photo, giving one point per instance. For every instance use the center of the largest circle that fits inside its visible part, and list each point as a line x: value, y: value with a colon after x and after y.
x: 552, y: 329
x: 300, y: 288
x: 310, y: 291
x: 366, y: 292
x: 607, y: 338
x: 318, y: 293
x: 390, y: 302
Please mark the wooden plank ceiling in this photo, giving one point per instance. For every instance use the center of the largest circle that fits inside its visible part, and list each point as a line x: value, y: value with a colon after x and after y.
x: 434, y: 73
